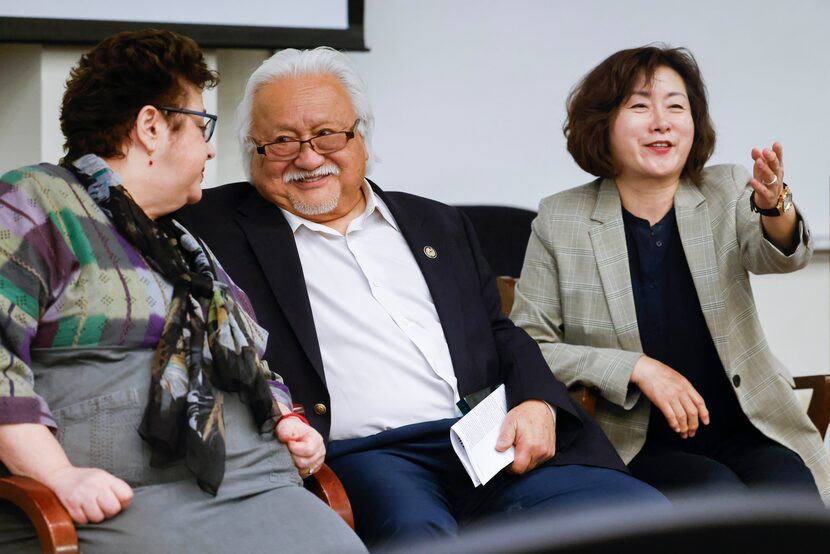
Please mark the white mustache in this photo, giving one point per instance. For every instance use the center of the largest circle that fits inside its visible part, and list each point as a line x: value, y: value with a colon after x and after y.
x: 318, y: 173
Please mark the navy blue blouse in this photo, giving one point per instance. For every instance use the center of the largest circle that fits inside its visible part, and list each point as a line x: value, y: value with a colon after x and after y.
x: 673, y: 331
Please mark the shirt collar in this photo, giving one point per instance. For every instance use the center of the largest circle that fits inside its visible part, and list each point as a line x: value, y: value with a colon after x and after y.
x: 374, y: 203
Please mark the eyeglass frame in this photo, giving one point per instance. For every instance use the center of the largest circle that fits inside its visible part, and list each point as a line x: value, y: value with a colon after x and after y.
x: 212, y: 117
x: 260, y: 149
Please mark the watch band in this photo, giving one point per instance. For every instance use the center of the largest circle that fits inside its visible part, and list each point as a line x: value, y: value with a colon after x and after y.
x: 781, y: 206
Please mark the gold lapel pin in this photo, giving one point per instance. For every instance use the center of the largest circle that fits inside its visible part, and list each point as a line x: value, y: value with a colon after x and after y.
x: 430, y: 252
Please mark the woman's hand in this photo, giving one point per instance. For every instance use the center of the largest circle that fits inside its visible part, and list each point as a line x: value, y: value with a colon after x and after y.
x: 768, y: 175
x: 767, y: 182
x: 90, y: 495
x: 304, y: 443
x: 673, y: 395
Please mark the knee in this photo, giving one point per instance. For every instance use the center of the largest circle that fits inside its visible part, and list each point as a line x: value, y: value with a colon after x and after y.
x: 633, y: 491
x: 405, y: 525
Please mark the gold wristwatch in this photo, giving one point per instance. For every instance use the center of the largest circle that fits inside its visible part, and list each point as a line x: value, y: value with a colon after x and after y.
x: 784, y: 204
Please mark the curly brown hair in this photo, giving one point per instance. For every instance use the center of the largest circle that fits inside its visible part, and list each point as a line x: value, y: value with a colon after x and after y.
x: 592, y: 104
x: 119, y: 76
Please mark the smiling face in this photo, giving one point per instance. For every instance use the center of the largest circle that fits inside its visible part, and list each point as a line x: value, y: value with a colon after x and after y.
x: 652, y: 131
x: 319, y: 187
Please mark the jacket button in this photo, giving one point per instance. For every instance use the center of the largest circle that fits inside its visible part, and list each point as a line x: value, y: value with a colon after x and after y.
x: 736, y: 380
x: 320, y: 409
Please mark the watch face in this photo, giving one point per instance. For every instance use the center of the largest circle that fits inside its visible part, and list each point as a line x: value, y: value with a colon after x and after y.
x: 787, y: 204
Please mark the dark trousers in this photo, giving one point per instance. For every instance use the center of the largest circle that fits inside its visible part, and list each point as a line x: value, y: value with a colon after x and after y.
x: 745, y: 461
x: 407, y: 484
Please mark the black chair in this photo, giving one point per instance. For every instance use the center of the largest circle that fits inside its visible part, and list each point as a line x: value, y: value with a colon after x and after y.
x: 503, y: 233
x: 767, y: 523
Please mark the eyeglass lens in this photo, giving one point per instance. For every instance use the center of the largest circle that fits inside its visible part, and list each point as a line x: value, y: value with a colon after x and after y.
x: 323, y: 144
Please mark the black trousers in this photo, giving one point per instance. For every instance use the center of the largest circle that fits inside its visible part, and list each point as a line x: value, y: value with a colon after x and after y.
x: 744, y: 461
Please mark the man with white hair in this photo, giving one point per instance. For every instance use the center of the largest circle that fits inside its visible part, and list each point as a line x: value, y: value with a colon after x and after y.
x: 383, y: 315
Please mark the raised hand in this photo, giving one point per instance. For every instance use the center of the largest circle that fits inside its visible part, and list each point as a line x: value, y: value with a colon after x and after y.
x: 768, y: 175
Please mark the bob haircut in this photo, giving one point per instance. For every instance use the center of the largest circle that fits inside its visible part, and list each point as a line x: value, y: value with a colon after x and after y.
x: 295, y: 63
x: 593, y: 103
x: 119, y: 76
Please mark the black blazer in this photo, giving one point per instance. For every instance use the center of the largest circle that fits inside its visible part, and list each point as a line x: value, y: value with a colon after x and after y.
x: 255, y: 245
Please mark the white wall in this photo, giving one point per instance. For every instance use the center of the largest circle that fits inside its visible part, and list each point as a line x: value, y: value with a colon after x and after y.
x: 470, y: 94
x: 469, y: 99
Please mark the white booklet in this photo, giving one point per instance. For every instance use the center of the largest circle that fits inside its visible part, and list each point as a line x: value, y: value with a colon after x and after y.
x: 474, y: 438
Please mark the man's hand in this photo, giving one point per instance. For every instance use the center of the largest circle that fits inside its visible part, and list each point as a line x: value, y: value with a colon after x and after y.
x: 304, y: 443
x: 531, y: 429
x: 673, y: 395
x: 90, y: 495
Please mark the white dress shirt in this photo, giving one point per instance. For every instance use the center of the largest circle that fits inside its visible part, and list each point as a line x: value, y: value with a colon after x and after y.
x: 386, y: 360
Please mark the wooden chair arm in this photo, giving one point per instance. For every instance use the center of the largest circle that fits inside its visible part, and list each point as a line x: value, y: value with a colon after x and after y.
x: 819, y: 409
x: 55, y: 529
x: 507, y: 292
x: 586, y: 397
x: 327, y: 487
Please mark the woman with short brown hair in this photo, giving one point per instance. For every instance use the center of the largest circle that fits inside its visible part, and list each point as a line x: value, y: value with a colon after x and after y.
x: 637, y: 285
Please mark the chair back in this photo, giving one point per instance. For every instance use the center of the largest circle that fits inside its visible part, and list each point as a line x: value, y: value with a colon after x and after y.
x: 503, y: 233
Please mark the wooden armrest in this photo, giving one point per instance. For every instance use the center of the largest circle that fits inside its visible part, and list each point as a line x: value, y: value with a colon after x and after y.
x: 507, y: 292
x: 327, y: 487
x: 55, y: 529
x: 586, y: 397
x: 819, y: 409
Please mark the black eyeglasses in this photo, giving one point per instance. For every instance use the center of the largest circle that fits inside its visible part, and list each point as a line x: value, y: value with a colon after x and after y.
x: 284, y: 148
x: 208, y: 124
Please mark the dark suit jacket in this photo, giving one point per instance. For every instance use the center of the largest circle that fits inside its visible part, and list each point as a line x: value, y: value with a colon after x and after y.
x: 255, y: 245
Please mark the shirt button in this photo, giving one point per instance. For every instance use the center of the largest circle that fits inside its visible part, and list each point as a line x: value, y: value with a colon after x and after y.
x: 320, y: 409
x: 652, y: 286
x: 375, y: 283
x: 659, y: 243
x: 736, y: 380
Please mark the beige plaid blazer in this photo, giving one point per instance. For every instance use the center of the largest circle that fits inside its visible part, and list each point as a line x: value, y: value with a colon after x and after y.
x: 575, y: 299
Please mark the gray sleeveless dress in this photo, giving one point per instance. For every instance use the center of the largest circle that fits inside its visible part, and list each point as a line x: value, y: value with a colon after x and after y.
x: 261, y: 505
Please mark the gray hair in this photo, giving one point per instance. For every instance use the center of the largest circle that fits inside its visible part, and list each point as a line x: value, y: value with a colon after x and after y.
x: 292, y: 63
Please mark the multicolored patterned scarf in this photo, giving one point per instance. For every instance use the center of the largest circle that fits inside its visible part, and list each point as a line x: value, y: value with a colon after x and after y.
x: 204, y: 347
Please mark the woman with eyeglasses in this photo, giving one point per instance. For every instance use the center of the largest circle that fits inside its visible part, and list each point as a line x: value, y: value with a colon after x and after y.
x: 637, y: 285
x: 131, y: 378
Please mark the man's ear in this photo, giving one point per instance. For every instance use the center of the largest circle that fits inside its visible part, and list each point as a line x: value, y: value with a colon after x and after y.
x: 149, y: 126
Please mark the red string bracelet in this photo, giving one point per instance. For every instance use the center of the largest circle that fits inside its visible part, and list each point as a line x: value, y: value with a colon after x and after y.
x: 291, y: 414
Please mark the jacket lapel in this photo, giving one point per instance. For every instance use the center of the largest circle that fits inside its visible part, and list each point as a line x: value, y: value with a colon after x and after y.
x: 695, y: 226
x: 273, y: 244
x: 611, y: 253
x: 420, y: 233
